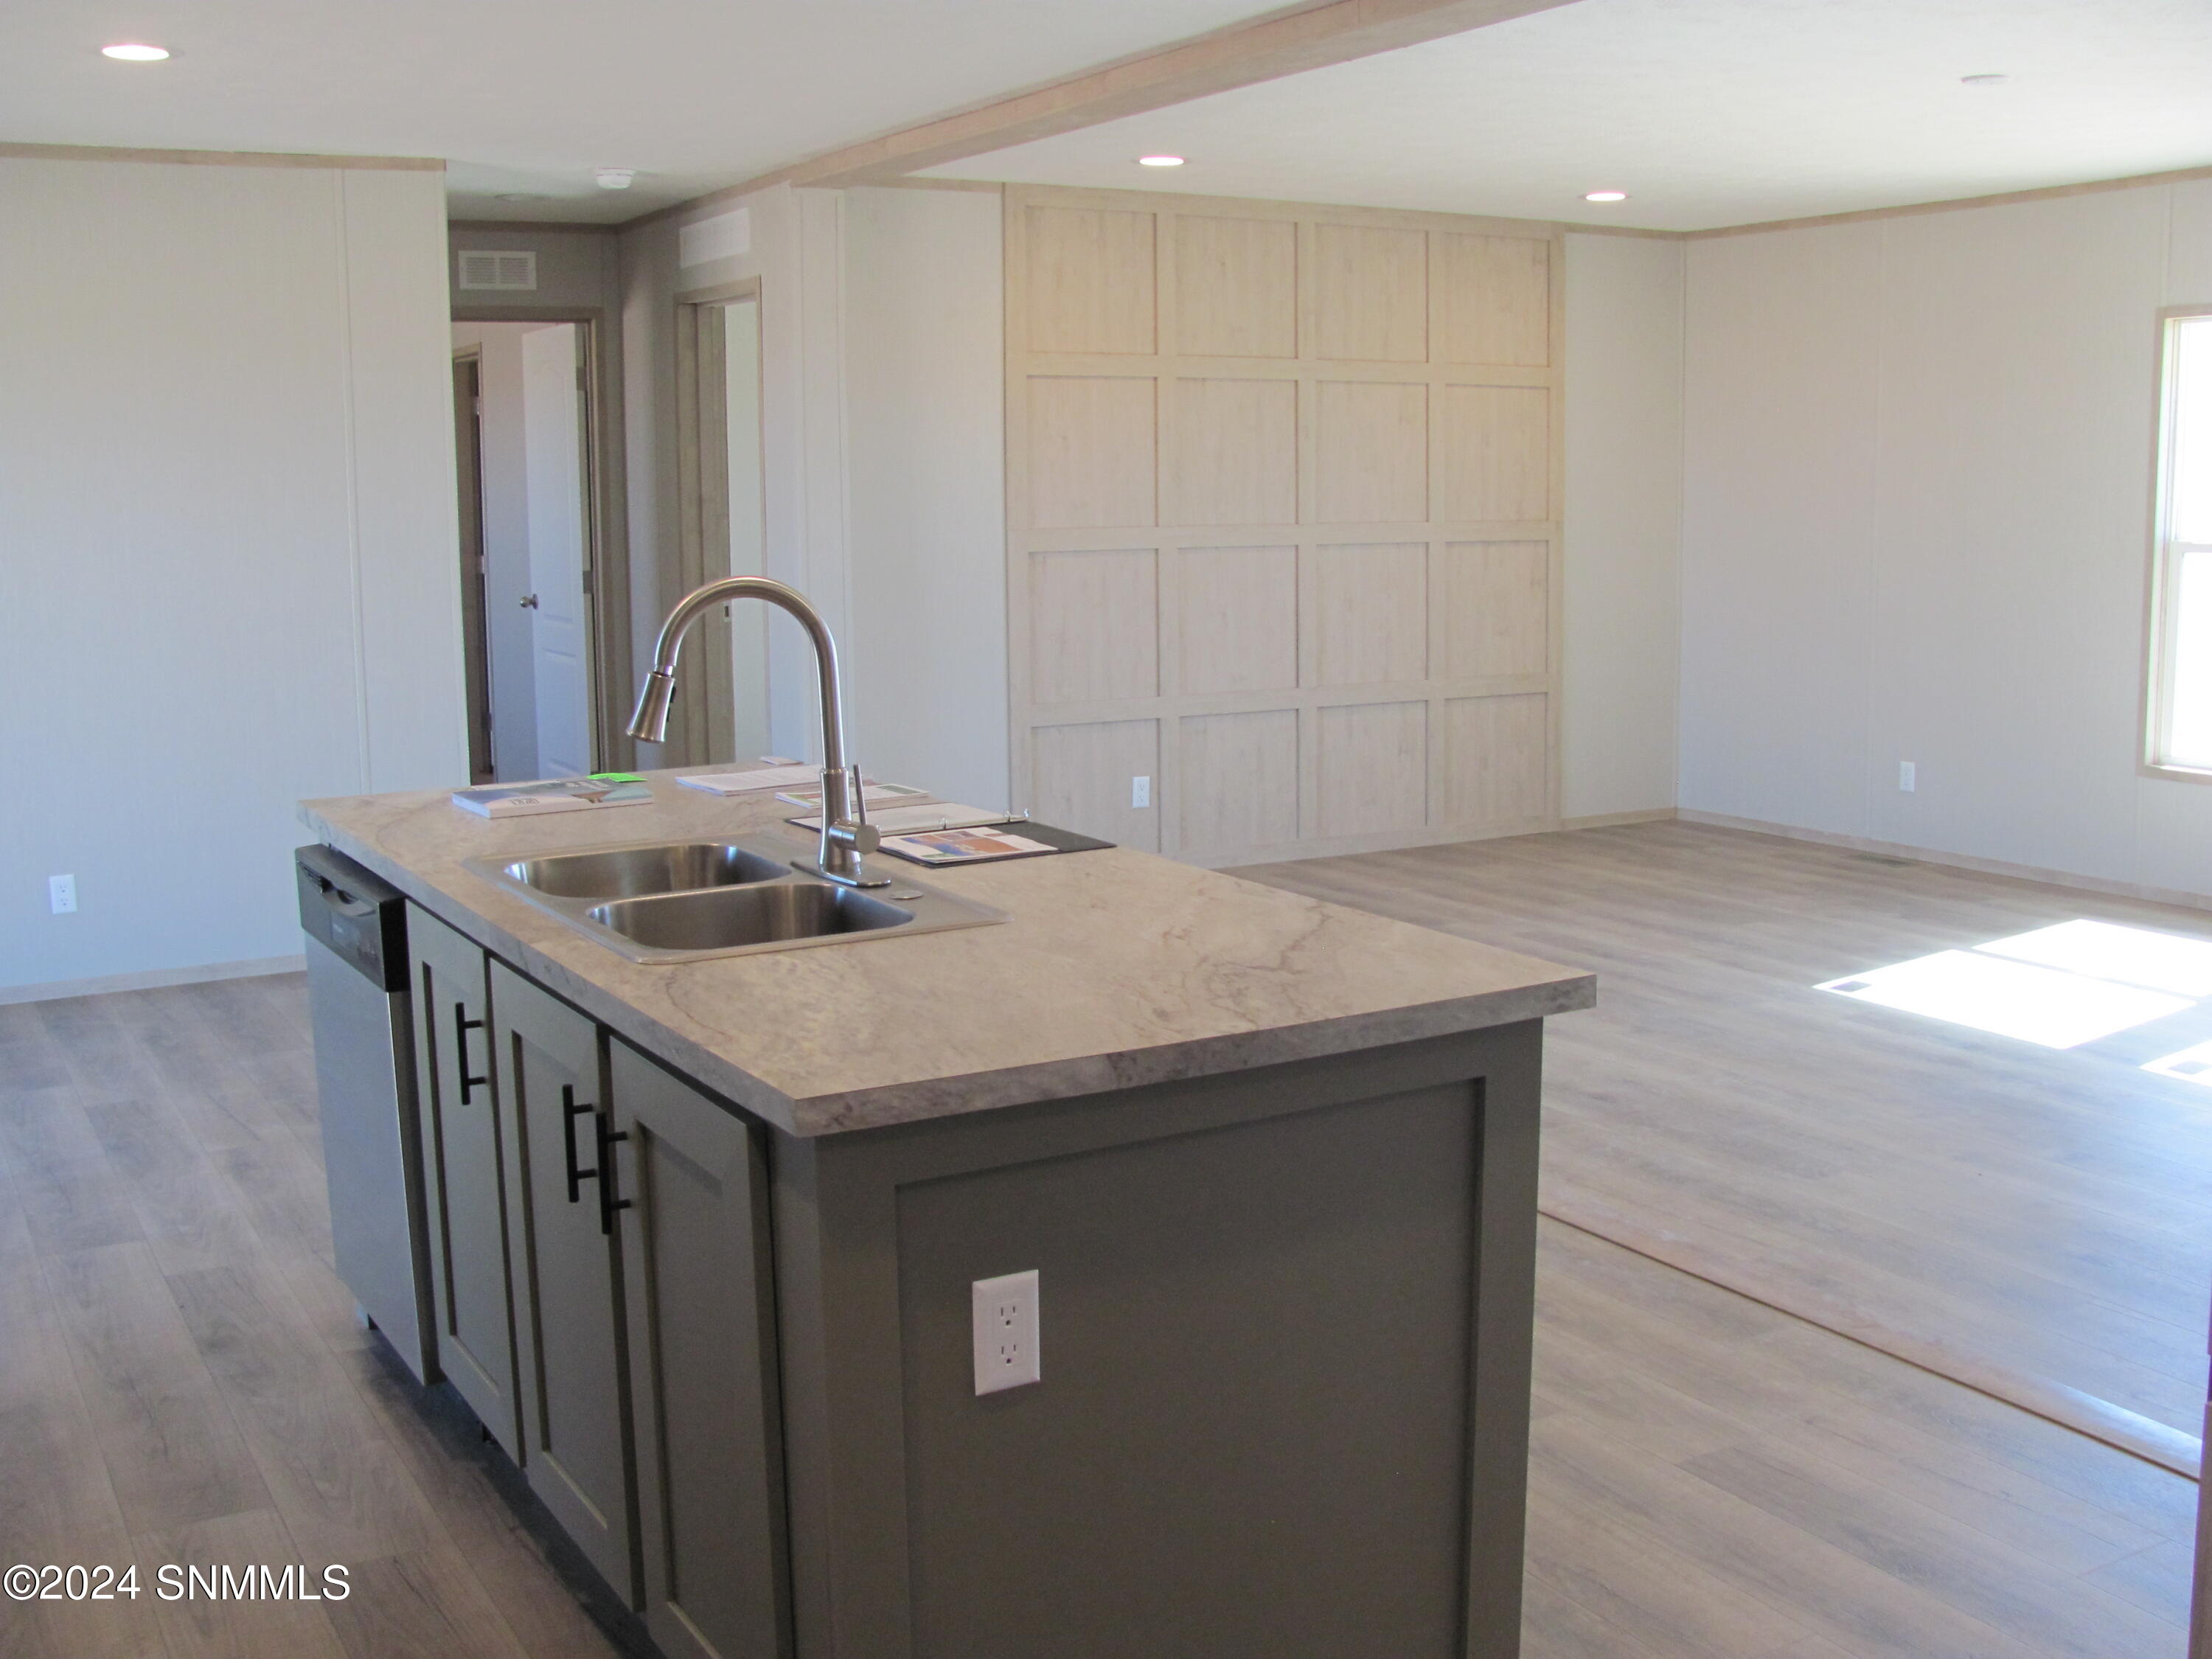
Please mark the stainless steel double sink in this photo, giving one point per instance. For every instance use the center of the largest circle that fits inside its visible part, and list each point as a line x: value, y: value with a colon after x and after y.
x: 663, y: 901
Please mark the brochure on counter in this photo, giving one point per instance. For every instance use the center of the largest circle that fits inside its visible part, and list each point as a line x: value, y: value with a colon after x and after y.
x: 972, y: 846
x: 515, y: 800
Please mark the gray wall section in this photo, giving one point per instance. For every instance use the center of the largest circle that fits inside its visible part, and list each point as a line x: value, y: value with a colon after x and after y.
x: 575, y: 268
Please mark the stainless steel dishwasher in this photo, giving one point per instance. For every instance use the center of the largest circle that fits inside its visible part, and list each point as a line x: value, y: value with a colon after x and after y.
x: 356, y: 946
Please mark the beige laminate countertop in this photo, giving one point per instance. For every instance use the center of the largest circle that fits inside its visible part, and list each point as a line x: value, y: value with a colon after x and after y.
x: 1118, y: 968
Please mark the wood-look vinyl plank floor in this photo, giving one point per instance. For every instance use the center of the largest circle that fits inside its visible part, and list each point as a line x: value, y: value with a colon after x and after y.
x: 2046, y: 1212
x: 1711, y: 1479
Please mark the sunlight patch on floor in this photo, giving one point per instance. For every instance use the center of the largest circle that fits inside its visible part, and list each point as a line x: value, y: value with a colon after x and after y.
x: 1995, y: 993
x: 2104, y: 950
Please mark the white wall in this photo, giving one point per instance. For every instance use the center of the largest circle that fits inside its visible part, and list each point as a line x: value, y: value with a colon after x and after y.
x: 1917, y: 484
x: 883, y: 464
x: 506, y: 544
x: 227, y: 543
x: 1622, y: 594
x: 797, y: 254
x: 926, y: 401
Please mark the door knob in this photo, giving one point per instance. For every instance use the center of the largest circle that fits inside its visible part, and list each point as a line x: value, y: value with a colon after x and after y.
x: 529, y: 602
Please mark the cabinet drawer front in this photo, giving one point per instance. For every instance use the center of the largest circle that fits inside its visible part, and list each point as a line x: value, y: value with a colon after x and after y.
x: 568, y: 1312
x: 463, y: 1177
x: 701, y: 1321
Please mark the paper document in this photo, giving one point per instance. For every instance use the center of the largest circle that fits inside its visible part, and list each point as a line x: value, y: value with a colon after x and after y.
x: 515, y: 800
x: 963, y: 846
x: 873, y: 795
x: 752, y: 782
x: 904, y: 820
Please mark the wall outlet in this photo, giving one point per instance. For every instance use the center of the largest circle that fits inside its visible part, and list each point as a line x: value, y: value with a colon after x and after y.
x: 1141, y: 792
x: 1005, y: 1314
x: 61, y: 893
x: 1905, y: 776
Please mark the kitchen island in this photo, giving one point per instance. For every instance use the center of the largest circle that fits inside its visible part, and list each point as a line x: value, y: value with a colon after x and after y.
x: 703, y: 1236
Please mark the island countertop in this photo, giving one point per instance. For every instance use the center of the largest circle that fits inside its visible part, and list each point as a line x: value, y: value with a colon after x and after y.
x: 1118, y: 968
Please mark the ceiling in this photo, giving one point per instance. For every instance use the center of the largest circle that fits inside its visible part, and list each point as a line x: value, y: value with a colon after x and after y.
x: 529, y: 96
x: 1708, y: 112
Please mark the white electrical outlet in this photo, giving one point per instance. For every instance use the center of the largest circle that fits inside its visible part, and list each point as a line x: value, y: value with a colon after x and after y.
x: 1005, y: 1314
x: 1141, y: 792
x: 1905, y: 776
x: 61, y: 893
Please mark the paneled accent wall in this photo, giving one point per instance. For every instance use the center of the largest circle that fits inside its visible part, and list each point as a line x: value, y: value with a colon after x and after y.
x: 1283, y: 504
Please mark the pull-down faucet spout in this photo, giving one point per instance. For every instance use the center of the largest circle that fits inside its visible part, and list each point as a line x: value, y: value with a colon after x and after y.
x: 846, y: 834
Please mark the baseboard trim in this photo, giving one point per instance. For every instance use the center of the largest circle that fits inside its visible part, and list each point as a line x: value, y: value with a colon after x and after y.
x: 55, y: 990
x: 2085, y: 1413
x: 1955, y: 860
x: 1608, y: 820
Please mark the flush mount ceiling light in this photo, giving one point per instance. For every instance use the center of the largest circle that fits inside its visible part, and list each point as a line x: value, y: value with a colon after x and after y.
x: 1607, y: 196
x: 132, y: 51
x: 615, y: 178
x: 1983, y: 80
x: 1159, y: 160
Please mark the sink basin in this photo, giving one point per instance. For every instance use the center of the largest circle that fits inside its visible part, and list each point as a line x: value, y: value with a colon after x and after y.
x: 732, y: 918
x: 623, y: 872
x: 674, y: 901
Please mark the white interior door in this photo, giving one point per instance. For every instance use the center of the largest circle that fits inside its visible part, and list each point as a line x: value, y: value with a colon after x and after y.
x: 552, y: 419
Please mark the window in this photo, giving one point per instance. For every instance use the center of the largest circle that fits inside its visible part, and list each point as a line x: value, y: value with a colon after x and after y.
x: 2181, y: 736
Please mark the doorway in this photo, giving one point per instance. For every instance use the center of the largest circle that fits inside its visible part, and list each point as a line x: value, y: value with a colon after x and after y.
x: 524, y: 450
x: 722, y: 713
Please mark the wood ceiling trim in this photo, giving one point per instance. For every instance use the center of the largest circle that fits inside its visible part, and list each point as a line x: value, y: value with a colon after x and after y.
x: 1244, y: 54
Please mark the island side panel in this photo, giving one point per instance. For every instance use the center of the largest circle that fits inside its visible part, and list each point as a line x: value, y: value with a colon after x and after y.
x: 1333, y: 1233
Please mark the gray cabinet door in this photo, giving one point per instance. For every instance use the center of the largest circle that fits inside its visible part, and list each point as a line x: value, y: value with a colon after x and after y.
x: 464, y: 1162
x: 701, y: 1353
x: 567, y: 1319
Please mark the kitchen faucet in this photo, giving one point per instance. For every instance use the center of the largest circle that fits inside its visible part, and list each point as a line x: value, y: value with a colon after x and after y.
x: 846, y: 834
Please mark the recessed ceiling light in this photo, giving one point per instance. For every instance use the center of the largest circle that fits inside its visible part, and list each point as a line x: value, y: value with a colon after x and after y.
x: 1159, y: 160
x: 1607, y: 196
x: 1983, y: 80
x: 130, y: 51
x: 615, y: 178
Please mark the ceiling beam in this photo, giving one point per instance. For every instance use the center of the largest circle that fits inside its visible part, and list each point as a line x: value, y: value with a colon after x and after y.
x: 1243, y: 55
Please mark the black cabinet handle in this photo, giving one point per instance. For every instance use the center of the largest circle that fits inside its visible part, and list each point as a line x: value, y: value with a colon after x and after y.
x: 608, y: 1202
x: 603, y: 1171
x: 571, y: 1109
x: 462, y: 1026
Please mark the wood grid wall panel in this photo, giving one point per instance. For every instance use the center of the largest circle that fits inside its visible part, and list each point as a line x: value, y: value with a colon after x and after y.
x: 1495, y: 769
x: 1492, y: 614
x: 1094, y: 626
x: 1491, y: 300
x: 1237, y: 619
x: 1094, y: 444
x: 1371, y: 292
x: 1240, y: 788
x: 1081, y: 778
x: 1235, y: 452
x: 1314, y: 450
x: 1370, y: 613
x: 1493, y: 453
x: 1090, y: 275
x: 1371, y: 452
x: 1371, y: 768
x: 1235, y: 287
